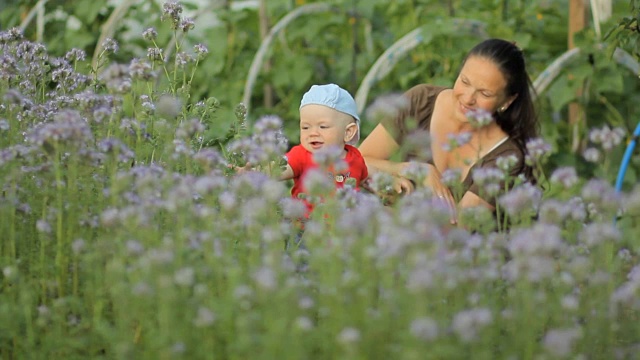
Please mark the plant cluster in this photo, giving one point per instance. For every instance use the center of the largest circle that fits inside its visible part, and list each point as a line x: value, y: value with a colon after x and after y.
x: 127, y: 234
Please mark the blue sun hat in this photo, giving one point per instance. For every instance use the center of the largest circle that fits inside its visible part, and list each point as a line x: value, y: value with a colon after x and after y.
x: 335, y: 97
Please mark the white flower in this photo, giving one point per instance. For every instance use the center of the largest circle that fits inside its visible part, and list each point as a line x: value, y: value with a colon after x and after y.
x: 304, y: 323
x: 184, y: 276
x: 265, y: 278
x: 424, y: 328
x: 349, y: 335
x: 467, y: 323
x: 204, y: 318
x: 559, y: 342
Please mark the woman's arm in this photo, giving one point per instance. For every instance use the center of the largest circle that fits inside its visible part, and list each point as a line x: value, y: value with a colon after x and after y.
x: 378, y: 148
x: 470, y: 200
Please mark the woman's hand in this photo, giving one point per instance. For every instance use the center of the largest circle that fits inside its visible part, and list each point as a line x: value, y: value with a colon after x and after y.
x: 434, y: 182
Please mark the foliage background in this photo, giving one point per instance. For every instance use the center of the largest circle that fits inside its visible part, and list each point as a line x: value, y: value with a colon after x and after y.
x: 340, y: 46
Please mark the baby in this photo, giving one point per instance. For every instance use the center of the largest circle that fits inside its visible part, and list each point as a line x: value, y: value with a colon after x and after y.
x: 328, y: 117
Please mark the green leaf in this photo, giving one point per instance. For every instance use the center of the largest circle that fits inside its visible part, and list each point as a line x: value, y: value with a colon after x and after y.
x: 87, y: 10
x: 609, y: 80
x: 78, y: 39
x: 561, y: 93
x: 291, y: 72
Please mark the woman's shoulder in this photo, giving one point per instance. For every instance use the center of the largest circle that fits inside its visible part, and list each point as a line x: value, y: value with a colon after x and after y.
x: 507, y: 149
x: 424, y: 91
x: 422, y: 101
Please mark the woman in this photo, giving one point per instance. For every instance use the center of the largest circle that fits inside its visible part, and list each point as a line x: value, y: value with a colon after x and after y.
x: 493, y: 79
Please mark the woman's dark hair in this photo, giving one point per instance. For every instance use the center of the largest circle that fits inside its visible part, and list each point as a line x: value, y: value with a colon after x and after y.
x: 519, y: 120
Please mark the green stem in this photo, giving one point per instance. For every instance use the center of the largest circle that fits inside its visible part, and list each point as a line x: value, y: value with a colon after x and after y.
x: 60, y: 258
x: 76, y: 277
x: 164, y: 67
x: 193, y: 72
x: 12, y: 230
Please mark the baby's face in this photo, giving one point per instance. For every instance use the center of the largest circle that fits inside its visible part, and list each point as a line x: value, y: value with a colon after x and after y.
x: 321, y: 126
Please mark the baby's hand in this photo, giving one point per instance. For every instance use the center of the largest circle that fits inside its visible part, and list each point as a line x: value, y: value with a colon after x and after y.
x: 402, y: 185
x: 239, y: 170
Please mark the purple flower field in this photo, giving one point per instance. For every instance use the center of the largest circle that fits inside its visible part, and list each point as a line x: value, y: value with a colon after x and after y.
x: 126, y: 235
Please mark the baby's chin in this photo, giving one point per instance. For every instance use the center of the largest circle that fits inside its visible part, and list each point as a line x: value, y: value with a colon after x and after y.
x: 312, y: 149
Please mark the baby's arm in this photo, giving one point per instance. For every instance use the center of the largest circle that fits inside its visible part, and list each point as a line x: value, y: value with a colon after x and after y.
x: 287, y: 173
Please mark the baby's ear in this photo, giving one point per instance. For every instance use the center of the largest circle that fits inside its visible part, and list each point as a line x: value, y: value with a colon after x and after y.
x: 350, y: 132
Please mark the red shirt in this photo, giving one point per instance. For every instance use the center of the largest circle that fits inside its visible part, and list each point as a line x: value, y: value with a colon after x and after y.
x: 301, y: 161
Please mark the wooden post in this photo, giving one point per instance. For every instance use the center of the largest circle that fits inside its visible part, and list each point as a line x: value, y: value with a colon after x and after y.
x: 577, y: 22
x: 577, y: 19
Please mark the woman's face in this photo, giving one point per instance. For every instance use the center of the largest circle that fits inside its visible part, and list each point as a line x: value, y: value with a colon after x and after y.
x: 480, y: 85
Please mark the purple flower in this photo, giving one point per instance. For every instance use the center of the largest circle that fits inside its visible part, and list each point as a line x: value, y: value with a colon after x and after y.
x: 13, y: 34
x: 479, y: 118
x: 601, y: 196
x: 606, y: 137
x: 115, y: 146
x: 456, y: 140
x: 292, y: 208
x: 171, y: 10
x: 267, y: 143
x: 187, y: 24
x: 540, y: 239
x: 521, y: 199
x: 422, y: 277
x: 416, y: 171
x: 381, y: 183
x: 168, y: 107
x: 140, y: 69
x: 150, y: 34
x: 418, y: 145
x: 154, y: 54
x: 599, y: 233
x: 387, y: 107
x: 43, y: 226
x: 201, y: 51
x: 468, y: 323
x: 204, y: 317
x: 117, y: 78
x: 68, y: 127
x: 553, y: 211
x: 424, y: 328
x: 565, y: 176
x: 304, y: 323
x: 189, y: 128
x: 490, y: 179
x: 74, y: 55
x: 451, y: 177
x: 266, y: 278
x: 559, y: 342
x: 182, y: 59
x: 536, y: 149
x: 591, y: 155
x: 577, y: 209
x: 317, y: 183
x: 109, y: 45
x: 184, y: 276
x: 506, y: 163
x: 330, y: 157
x: 210, y: 158
x: 348, y: 336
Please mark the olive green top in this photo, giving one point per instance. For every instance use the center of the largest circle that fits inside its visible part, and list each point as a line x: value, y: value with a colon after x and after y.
x: 417, y: 115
